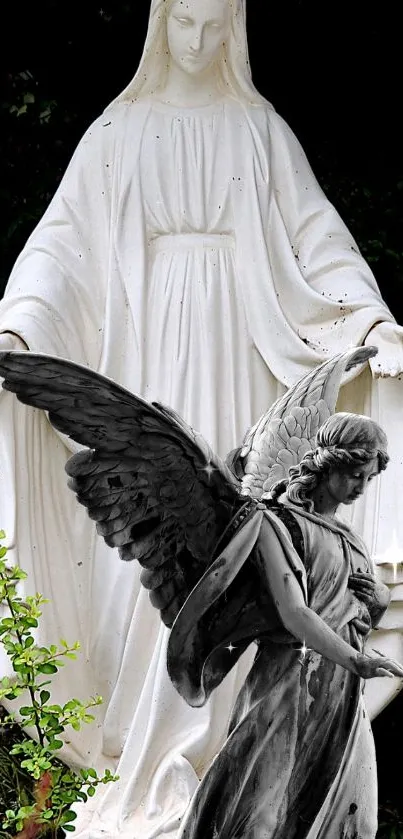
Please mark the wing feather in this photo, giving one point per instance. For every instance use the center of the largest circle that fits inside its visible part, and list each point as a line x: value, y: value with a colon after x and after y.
x: 287, y: 431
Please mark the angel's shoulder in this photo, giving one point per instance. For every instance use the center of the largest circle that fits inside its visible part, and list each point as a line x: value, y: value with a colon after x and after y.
x: 286, y: 516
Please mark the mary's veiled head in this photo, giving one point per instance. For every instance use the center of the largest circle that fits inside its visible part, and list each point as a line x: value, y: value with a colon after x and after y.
x: 232, y: 69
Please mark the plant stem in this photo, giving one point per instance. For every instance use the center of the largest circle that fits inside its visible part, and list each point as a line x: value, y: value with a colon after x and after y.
x: 28, y: 686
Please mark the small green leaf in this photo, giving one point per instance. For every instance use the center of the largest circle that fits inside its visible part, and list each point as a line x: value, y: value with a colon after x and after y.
x: 7, y: 623
x: 47, y: 668
x: 54, y: 745
x: 45, y: 696
x: 47, y: 814
x: 31, y: 622
x: 26, y: 812
x: 67, y: 816
x: 26, y: 711
x: 72, y: 705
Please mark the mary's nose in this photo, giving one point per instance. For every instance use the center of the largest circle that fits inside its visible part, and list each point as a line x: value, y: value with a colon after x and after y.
x: 197, y: 41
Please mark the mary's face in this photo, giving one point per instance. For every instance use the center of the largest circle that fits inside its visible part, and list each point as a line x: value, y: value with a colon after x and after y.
x: 196, y: 30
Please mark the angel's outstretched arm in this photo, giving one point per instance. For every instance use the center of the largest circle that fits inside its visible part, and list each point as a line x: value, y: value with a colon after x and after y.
x: 303, y: 622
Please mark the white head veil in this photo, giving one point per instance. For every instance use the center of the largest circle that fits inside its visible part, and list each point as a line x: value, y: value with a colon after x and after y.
x: 235, y: 75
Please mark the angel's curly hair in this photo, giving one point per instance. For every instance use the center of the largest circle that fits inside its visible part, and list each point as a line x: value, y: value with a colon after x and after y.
x: 344, y: 440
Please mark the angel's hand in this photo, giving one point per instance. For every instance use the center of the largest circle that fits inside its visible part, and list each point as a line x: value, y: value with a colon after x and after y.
x: 373, y: 593
x: 388, y: 339
x: 369, y: 668
x: 363, y: 622
x: 10, y: 341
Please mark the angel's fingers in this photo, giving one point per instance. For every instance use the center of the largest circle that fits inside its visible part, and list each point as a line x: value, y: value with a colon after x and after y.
x: 364, y: 598
x: 381, y: 671
x: 393, y: 667
x: 361, y: 626
x: 362, y: 585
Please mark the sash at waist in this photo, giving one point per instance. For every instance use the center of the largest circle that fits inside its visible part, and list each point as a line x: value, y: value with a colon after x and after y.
x: 187, y: 241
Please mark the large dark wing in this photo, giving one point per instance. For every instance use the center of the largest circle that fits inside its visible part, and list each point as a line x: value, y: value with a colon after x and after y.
x: 152, y: 485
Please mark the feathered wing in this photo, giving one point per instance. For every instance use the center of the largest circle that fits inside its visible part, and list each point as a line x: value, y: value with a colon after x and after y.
x: 159, y: 494
x: 287, y: 431
x: 152, y: 485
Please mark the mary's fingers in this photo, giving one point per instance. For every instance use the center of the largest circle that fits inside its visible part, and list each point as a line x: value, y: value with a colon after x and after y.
x: 389, y: 368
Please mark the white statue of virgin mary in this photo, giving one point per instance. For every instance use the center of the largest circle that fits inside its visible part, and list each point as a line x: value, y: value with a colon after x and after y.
x: 190, y: 254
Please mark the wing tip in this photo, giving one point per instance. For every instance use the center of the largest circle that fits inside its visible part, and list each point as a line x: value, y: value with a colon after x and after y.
x: 360, y: 355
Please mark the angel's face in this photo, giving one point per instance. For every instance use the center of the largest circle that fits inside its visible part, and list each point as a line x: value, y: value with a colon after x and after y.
x: 196, y: 31
x: 344, y: 486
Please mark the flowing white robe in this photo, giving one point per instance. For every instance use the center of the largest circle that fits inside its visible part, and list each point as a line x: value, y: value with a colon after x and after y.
x: 191, y: 256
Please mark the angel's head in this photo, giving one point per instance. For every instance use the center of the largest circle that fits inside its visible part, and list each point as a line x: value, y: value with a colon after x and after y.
x: 350, y: 451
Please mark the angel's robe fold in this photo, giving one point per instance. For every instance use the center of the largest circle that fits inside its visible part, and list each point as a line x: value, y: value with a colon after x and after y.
x: 299, y: 761
x: 192, y: 257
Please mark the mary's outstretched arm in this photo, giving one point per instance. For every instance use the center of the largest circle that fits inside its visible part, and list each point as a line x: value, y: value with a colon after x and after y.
x: 56, y: 296
x: 303, y: 622
x: 342, y: 288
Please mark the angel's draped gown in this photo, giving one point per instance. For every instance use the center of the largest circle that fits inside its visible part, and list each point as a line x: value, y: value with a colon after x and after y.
x: 299, y: 762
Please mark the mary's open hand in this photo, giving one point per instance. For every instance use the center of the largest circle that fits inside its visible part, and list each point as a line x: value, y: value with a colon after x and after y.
x: 388, y: 338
